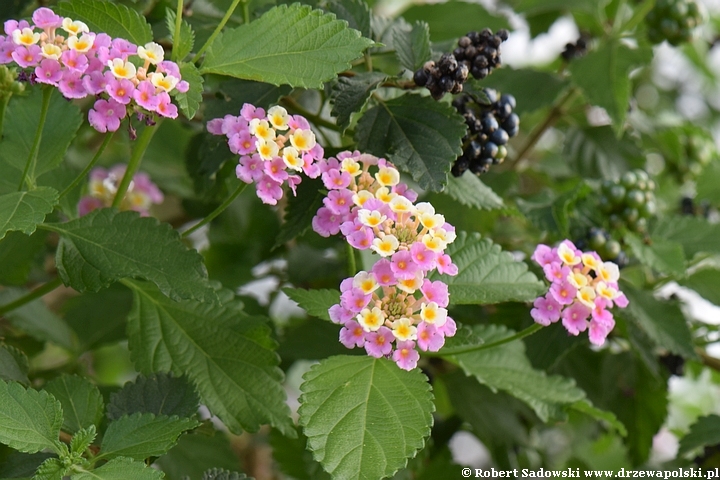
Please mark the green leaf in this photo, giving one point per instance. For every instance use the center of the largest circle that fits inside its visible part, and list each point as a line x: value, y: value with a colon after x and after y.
x: 350, y: 94
x: 189, y: 102
x: 469, y: 190
x: 364, y: 417
x: 82, y: 440
x: 292, y: 45
x: 608, y: 418
x: 693, y: 233
x: 662, y: 255
x: 143, y: 435
x: 506, y: 368
x: 19, y: 465
x: 37, y: 320
x: 159, y: 393
x: 413, y: 47
x: 106, y: 245
x: 99, y: 318
x: 355, y: 12
x: 181, y: 46
x: 705, y: 431
x: 706, y: 282
x: 14, y: 365
x: 51, y: 469
x: 81, y: 401
x: 233, y: 93
x: 121, y: 468
x: 531, y: 88
x: 195, y: 453
x: 552, y: 213
x: 663, y: 322
x: 314, y: 302
x: 29, y: 420
x: 17, y: 255
x: 228, y: 355
x: 18, y: 135
x: 603, y: 75
x: 294, y: 459
x: 300, y: 210
x: 541, y: 6
x: 419, y: 135
x: 220, y: 474
x: 596, y: 152
x: 22, y: 211
x: 111, y: 18
x: 453, y: 19
x: 486, y: 274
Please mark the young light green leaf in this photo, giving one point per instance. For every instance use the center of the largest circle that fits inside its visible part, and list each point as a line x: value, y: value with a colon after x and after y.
x: 207, y: 342
x: 22, y: 211
x: 693, y: 233
x: 663, y: 322
x: 81, y: 401
x: 106, y: 245
x: 355, y: 12
x: 18, y: 252
x: 487, y: 274
x: 506, y: 368
x: 349, y: 94
x: 663, y: 255
x: 706, y: 282
x: 107, y: 17
x: 220, y: 474
x: 30, y: 420
x: 419, y: 135
x: 315, y: 302
x: 189, y: 102
x: 14, y: 365
x: 413, y: 47
x: 37, y: 320
x: 364, y: 417
x: 300, y: 210
x: 292, y: 45
x: 82, y: 440
x: 51, y: 469
x: 143, y: 435
x: 469, y: 190
x: 121, y: 468
x: 159, y: 393
x: 705, y: 431
x: 181, y: 46
x: 450, y: 20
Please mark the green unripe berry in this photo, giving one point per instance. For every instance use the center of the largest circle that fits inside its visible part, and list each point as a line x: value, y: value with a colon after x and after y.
x: 641, y: 225
x: 612, y: 249
x: 617, y: 195
x: 605, y: 205
x: 648, y: 209
x: 631, y: 214
x: 615, y: 220
x: 597, y: 241
x: 635, y: 198
x: 628, y: 180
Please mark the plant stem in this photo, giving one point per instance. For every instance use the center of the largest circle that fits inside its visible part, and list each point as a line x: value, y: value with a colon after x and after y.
x: 217, y: 30
x: 86, y: 170
x: 484, y: 346
x: 640, y: 13
x: 246, y: 12
x: 217, y: 211
x: 140, y: 146
x: 176, y: 35
x: 30, y: 296
x: 553, y: 115
x: 3, y: 106
x: 291, y: 103
x: 352, y: 266
x: 368, y: 61
x: 32, y: 158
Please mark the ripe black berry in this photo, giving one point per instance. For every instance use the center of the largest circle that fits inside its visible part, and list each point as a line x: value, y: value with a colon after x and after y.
x: 574, y: 50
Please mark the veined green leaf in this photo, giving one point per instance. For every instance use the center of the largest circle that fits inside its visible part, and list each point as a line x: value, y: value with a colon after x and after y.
x: 706, y: 282
x: 14, y: 365
x: 22, y: 211
x: 300, y: 210
x: 81, y: 401
x: 350, y: 94
x: 37, y: 320
x: 413, y: 47
x: 107, y: 17
x: 355, y: 12
x: 17, y: 255
x: 705, y: 431
x: 189, y: 102
x: 694, y: 234
x: 469, y: 190
x: 159, y: 393
x: 315, y: 302
x: 121, y: 468
x: 450, y: 20
x: 662, y: 255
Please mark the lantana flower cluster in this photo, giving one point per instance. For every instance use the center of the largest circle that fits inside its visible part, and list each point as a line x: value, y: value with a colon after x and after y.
x: 273, y: 147
x: 583, y: 289
x: 141, y: 194
x: 394, y: 309
x: 62, y: 52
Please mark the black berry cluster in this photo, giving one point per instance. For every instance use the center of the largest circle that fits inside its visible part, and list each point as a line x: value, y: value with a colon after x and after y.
x: 600, y: 241
x: 477, y: 54
x: 574, y: 50
x: 672, y: 20
x: 490, y: 126
x: 629, y: 202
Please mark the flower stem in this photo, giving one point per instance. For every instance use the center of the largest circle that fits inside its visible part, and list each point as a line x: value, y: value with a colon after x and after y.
x: 140, y: 146
x: 176, y: 35
x: 484, y: 346
x: 217, y: 211
x: 3, y: 106
x: 217, y: 30
x: 30, y: 296
x: 86, y: 170
x: 292, y: 104
x: 32, y: 158
x: 352, y: 266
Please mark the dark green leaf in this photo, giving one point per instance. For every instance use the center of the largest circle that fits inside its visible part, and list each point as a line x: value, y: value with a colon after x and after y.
x: 181, y: 46
x: 693, y: 233
x: 487, y: 274
x: 364, y: 417
x: 453, y: 19
x: 312, y: 339
x: 315, y: 302
x: 705, y: 431
x: 706, y: 282
x: 159, y: 393
x: 469, y: 190
x: 604, y: 416
x: 99, y: 318
x: 663, y: 322
x: 195, y: 453
x: 22, y: 211
x: 143, y: 435
x: 220, y: 474
x: 208, y: 342
x: 29, y: 420
x: 419, y: 135
x: 17, y: 253
x: 300, y: 210
x: 189, y: 102
x: 413, y: 47
x: 233, y: 93
x: 111, y: 18
x: 37, y: 320
x: 664, y: 256
x: 292, y: 45
x: 355, y: 12
x: 18, y: 465
x: 294, y: 459
x: 106, y: 245
x: 349, y: 94
x: 14, y: 365
x: 531, y: 88
x: 595, y: 152
x: 535, y: 6
x: 81, y: 401
x: 121, y: 468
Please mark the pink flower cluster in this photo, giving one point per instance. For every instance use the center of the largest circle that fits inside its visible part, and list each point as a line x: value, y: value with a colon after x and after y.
x: 394, y: 303
x: 273, y: 148
x: 64, y: 53
x: 141, y: 194
x: 582, y: 287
